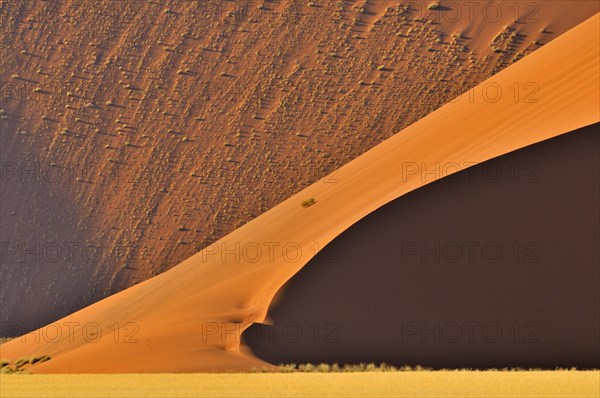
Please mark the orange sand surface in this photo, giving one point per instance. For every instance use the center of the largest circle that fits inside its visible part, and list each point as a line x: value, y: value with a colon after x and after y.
x: 189, y: 318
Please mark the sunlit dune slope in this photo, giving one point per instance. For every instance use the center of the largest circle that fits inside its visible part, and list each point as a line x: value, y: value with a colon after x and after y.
x: 142, y: 131
x: 189, y: 318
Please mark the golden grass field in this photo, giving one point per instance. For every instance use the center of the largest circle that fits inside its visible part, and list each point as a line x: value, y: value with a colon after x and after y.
x: 392, y: 384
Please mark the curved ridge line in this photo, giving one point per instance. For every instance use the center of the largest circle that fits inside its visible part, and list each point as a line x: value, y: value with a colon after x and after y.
x: 181, y: 292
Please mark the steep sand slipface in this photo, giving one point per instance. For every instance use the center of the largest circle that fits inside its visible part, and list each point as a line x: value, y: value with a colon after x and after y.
x: 176, y: 313
x: 185, y: 121
x: 493, y: 267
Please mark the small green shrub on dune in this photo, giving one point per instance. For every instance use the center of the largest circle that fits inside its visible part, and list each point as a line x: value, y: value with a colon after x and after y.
x: 308, y: 202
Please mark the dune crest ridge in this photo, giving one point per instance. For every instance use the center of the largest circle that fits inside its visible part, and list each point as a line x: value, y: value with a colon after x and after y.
x: 190, y: 318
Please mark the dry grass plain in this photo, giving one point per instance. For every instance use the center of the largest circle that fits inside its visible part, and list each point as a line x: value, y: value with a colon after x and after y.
x: 393, y: 384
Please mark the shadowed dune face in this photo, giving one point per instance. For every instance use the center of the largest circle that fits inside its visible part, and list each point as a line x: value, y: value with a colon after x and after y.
x: 38, y: 269
x: 494, y: 266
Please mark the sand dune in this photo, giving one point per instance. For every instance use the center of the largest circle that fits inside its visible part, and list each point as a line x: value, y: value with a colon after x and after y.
x: 154, y: 130
x: 493, y: 267
x: 190, y: 317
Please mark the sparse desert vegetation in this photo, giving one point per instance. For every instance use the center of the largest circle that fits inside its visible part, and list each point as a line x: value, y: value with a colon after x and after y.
x: 336, y: 368
x: 308, y: 202
x: 21, y: 364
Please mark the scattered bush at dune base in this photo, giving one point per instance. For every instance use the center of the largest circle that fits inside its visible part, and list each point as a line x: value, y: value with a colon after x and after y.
x: 336, y: 368
x: 40, y: 359
x: 383, y: 367
x: 20, y: 364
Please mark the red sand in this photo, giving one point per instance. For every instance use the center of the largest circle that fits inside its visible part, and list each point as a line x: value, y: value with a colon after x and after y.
x: 172, y: 310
